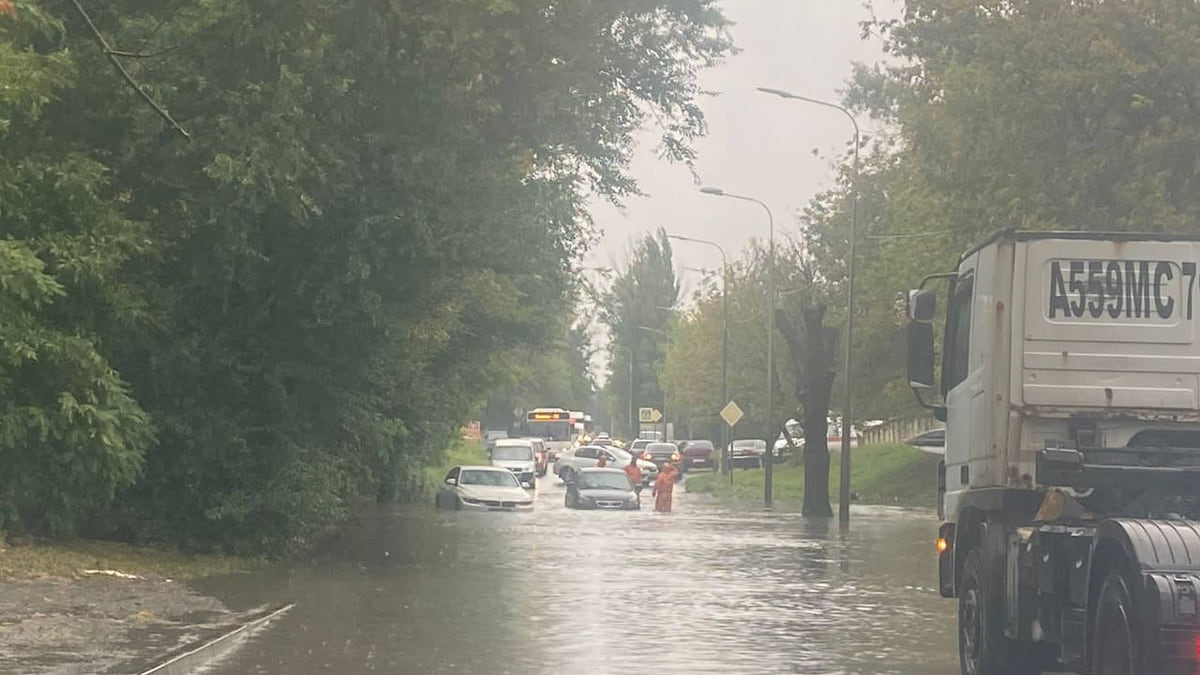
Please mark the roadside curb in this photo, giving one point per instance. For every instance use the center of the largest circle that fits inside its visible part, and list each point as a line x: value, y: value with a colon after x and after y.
x: 210, y: 651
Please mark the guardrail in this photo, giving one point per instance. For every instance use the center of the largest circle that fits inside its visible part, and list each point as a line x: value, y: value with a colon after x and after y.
x: 199, y: 657
x: 895, y: 431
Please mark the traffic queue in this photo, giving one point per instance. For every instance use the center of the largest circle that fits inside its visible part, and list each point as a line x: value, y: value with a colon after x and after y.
x: 598, y: 472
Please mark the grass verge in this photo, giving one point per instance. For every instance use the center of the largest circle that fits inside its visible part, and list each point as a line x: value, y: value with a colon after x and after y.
x: 897, y: 474
x: 71, y: 559
x: 462, y: 452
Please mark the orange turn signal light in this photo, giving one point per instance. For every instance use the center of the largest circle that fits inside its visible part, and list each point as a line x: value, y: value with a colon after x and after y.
x: 942, y: 545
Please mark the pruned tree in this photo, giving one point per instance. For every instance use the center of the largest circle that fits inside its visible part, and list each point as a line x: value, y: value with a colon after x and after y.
x: 813, y: 349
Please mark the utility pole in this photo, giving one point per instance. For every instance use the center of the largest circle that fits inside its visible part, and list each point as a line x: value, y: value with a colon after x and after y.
x: 726, y: 435
x: 769, y: 455
x: 847, y: 373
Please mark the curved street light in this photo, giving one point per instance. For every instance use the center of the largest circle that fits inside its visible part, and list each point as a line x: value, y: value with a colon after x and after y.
x: 768, y: 474
x: 724, y: 335
x: 847, y: 406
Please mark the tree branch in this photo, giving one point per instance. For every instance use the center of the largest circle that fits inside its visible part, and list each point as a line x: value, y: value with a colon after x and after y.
x: 132, y: 55
x: 111, y: 55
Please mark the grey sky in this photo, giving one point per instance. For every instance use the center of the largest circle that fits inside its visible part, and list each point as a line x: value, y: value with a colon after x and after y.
x: 757, y: 145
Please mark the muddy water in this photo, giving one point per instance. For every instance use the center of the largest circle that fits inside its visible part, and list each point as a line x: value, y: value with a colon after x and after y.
x: 703, y: 590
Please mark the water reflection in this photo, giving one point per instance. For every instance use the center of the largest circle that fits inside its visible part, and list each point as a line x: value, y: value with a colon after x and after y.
x: 703, y: 590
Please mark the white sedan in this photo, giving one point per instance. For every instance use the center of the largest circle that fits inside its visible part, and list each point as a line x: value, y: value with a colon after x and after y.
x: 482, y: 488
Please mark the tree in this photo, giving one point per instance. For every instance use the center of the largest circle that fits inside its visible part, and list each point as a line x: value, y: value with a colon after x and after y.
x: 71, y: 433
x: 693, y: 364
x: 637, y: 310
x: 1001, y: 121
x: 379, y: 206
x: 813, y: 348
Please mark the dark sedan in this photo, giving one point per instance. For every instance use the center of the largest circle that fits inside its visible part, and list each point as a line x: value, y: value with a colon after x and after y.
x: 748, y: 452
x: 661, y: 453
x: 697, y: 454
x: 596, y: 488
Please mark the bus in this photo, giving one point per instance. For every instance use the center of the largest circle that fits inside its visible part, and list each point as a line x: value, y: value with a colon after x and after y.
x: 555, y: 425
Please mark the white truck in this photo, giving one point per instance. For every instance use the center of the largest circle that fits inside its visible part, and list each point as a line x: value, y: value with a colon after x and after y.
x: 1070, y: 388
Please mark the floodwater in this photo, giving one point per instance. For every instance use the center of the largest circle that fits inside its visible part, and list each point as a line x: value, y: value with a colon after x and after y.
x: 703, y: 590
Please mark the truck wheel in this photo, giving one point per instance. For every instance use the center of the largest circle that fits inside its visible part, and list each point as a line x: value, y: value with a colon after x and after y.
x: 1115, y: 647
x: 982, y: 647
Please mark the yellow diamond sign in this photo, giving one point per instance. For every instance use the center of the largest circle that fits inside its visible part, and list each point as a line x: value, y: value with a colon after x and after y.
x: 731, y: 413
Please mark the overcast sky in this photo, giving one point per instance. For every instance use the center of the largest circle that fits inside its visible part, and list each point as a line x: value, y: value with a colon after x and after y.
x: 758, y: 145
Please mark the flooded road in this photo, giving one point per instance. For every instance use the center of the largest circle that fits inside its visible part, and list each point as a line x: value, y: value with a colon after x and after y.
x: 702, y: 590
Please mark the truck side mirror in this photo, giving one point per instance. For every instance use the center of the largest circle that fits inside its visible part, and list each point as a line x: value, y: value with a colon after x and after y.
x: 922, y: 305
x: 920, y: 355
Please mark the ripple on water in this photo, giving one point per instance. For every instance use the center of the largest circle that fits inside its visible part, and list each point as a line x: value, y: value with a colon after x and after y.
x: 703, y: 590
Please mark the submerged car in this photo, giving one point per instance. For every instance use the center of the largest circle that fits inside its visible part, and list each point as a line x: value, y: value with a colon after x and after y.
x: 482, y: 488
x: 517, y: 455
x: 596, y: 488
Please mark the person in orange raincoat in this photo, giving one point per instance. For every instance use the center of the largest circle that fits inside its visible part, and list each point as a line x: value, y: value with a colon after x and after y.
x: 635, y: 475
x: 664, y: 487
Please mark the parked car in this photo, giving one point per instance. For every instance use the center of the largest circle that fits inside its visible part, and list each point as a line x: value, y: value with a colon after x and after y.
x: 517, y: 455
x: 482, y: 488
x: 595, y: 488
x: 747, y: 452
x: 933, y: 441
x: 661, y: 453
x: 833, y: 435
x: 698, y: 453
x: 585, y: 457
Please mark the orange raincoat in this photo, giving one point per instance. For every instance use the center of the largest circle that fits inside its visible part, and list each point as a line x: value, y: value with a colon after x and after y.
x: 635, y: 475
x: 664, y: 487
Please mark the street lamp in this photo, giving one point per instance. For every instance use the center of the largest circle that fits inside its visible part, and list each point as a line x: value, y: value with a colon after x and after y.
x: 666, y: 336
x: 724, y: 339
x: 844, y: 493
x: 768, y: 474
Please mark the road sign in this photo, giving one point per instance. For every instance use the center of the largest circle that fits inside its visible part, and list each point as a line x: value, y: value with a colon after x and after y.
x: 649, y: 415
x: 731, y: 413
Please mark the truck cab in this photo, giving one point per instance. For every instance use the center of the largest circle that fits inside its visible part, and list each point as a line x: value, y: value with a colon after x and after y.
x: 1070, y: 388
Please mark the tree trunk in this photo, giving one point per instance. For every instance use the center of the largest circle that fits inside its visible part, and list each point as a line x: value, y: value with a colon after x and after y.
x: 811, y: 345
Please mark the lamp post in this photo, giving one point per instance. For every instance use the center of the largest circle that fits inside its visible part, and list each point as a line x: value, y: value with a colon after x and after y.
x: 847, y: 405
x: 666, y: 336
x: 724, y: 339
x: 768, y: 466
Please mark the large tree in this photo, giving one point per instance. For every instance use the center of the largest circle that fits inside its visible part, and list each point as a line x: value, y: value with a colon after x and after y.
x: 374, y: 206
x: 638, y: 311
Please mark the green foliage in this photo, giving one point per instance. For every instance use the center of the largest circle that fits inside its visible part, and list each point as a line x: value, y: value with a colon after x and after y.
x: 1028, y: 114
x: 638, y: 311
x: 71, y: 435
x: 692, y: 371
x: 893, y: 475
x: 374, y: 223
